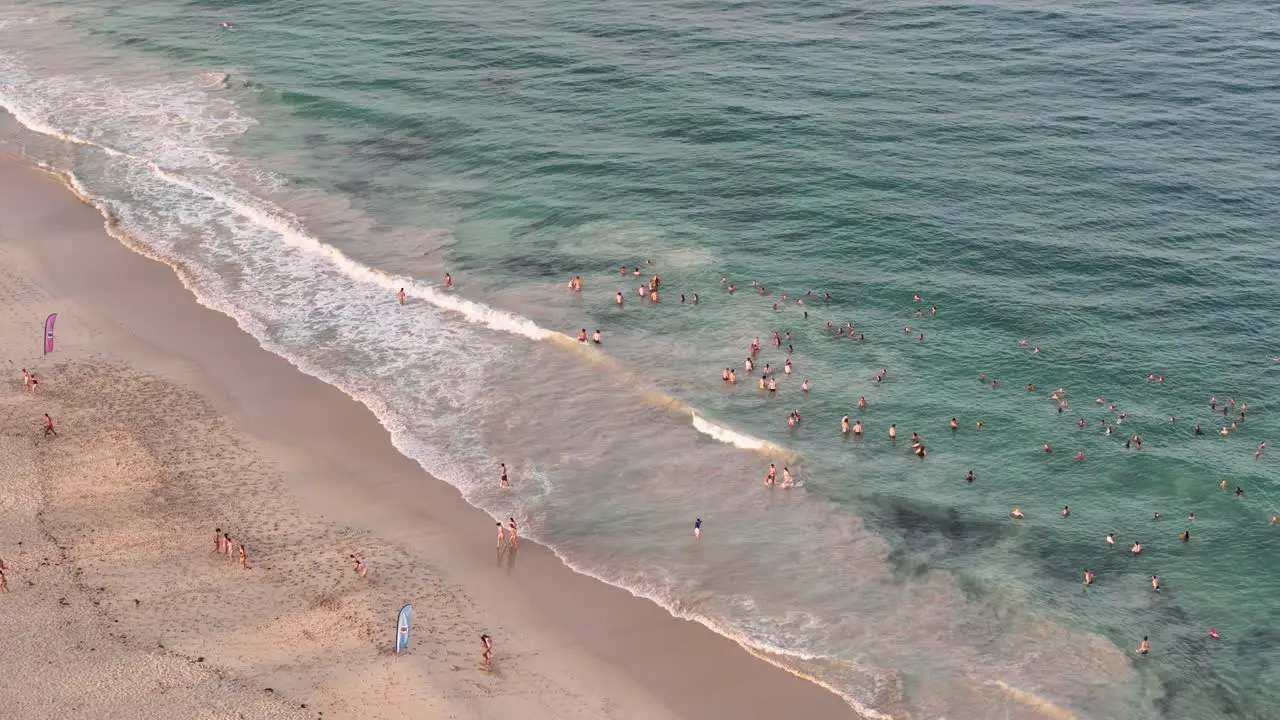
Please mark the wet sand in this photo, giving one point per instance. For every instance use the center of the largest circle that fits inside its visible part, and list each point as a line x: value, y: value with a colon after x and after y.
x: 172, y: 422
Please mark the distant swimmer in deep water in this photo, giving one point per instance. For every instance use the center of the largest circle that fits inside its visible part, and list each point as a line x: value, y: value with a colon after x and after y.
x: 1088, y: 577
x: 1016, y: 514
x: 1046, y: 448
x: 1136, y: 549
x: 953, y: 424
x: 862, y: 403
x: 618, y: 300
x: 1214, y: 634
x: 1185, y: 536
x: 804, y: 386
x: 1198, y: 431
x: 1111, y: 539
x: 968, y: 477
x: 893, y: 432
x: 400, y: 296
x: 1155, y: 583
x: 844, y: 424
x: 1066, y: 511
x: 1145, y: 647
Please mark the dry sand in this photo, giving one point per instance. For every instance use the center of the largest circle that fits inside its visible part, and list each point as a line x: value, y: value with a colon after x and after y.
x: 172, y: 422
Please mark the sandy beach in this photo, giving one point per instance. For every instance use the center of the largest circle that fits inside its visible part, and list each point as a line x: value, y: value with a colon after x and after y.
x: 172, y: 422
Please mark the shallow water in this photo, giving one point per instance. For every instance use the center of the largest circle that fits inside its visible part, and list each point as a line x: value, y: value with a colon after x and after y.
x: 1098, y: 179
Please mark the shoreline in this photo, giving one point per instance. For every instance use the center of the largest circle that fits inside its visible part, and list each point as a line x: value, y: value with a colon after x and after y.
x: 339, y: 465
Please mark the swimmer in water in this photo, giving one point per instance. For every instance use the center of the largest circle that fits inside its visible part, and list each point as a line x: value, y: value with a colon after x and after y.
x: 893, y: 432
x: 786, y: 367
x: 786, y: 477
x: 733, y: 378
x: 1214, y: 634
x: 771, y: 475
x: 582, y: 335
x: 804, y: 386
x: 773, y: 385
x: 1079, y: 457
x: 1066, y: 511
x: 1046, y: 448
x: 748, y: 366
x: 862, y: 403
x: 1185, y: 536
x: 1222, y: 484
x: 618, y: 300
x: 1144, y: 648
x: 400, y: 296
x: 979, y: 425
x: 953, y: 424
x: 857, y: 428
x: 1155, y: 584
x: 1016, y: 514
x: 1136, y: 549
x: 1111, y: 539
x: 763, y: 386
x: 595, y: 337
x: 933, y: 309
x: 1088, y: 577
x: 844, y: 425
x: 695, y: 298
x: 448, y: 280
x: 915, y: 297
x: 725, y: 375
x: 968, y: 477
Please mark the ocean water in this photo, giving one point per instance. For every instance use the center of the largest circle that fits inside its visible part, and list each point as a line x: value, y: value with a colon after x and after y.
x: 1098, y: 178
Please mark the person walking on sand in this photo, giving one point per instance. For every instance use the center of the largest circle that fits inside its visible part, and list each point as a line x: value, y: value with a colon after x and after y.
x: 502, y: 536
x: 48, y: 426
x: 241, y: 558
x: 26, y: 379
x: 505, y: 483
x: 226, y: 544
x: 360, y: 570
x: 697, y: 529
x: 511, y: 527
x: 400, y: 296
x: 35, y: 384
x: 487, y: 655
x: 217, y: 540
x: 4, y: 581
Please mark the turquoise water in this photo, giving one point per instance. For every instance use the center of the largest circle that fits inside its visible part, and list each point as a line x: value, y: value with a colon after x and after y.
x: 1099, y: 179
